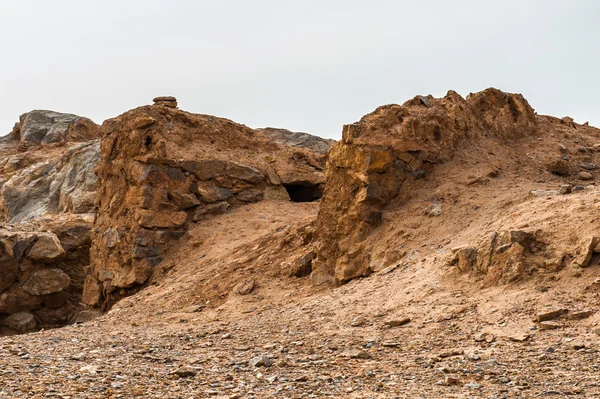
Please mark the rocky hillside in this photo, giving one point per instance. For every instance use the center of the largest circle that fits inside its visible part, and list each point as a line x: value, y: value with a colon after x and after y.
x: 454, y: 252
x: 157, y: 172
x: 437, y: 166
x: 47, y: 195
x: 163, y: 170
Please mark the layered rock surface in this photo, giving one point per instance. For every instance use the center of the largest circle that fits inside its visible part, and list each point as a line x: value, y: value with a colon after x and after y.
x: 46, y: 177
x: 65, y: 184
x: 162, y: 169
x: 298, y: 139
x: 46, y: 127
x: 393, y: 151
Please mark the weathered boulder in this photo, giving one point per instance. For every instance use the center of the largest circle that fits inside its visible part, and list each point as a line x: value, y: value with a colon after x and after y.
x: 46, y: 249
x: 507, y: 256
x: 297, y: 139
x: 43, y: 271
x: 46, y: 281
x: 45, y: 127
x: 160, y: 170
x: 22, y: 322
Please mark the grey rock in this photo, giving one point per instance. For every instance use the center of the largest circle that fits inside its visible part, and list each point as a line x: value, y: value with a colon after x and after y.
x: 260, y: 361
x: 42, y: 126
x: 67, y: 184
x: 252, y: 195
x: 111, y: 237
x: 298, y: 139
x: 434, y: 210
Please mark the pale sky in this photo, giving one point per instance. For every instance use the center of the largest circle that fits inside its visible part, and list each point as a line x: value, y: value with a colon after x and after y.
x: 308, y: 66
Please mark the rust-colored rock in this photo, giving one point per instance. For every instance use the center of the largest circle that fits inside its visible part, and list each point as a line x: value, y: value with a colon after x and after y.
x: 162, y: 169
x: 385, y: 149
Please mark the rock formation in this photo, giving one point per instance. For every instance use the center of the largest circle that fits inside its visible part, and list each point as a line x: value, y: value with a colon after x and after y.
x: 41, y: 272
x: 368, y: 168
x: 162, y: 169
x: 66, y: 184
x: 46, y: 127
x: 46, y: 178
x: 297, y: 139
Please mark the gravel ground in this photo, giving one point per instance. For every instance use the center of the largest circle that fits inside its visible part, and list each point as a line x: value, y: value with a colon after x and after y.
x: 335, y: 344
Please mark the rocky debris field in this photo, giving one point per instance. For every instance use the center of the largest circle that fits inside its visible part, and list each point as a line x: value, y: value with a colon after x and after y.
x: 420, y: 342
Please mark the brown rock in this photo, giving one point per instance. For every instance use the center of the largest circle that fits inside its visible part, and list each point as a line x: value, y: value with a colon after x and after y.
x: 179, y: 169
x: 22, y: 322
x: 184, y: 200
x: 388, y: 147
x: 560, y: 167
x: 580, y: 315
x: 164, y: 98
x: 550, y: 315
x: 244, y: 172
x: 245, y: 287
x: 522, y: 337
x: 205, y: 169
x: 585, y: 176
x: 210, y: 209
x: 149, y: 219
x: 213, y: 193
x: 46, y: 249
x: 566, y: 189
x: 143, y: 122
x: 586, y: 250
x: 397, y: 322
x: 301, y: 267
x: 47, y: 281
x: 549, y: 325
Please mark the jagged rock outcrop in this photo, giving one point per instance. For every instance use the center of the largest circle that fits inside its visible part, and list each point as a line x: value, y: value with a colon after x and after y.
x: 298, y: 139
x: 66, y: 184
x: 396, y: 143
x: 46, y: 127
x: 507, y: 256
x: 162, y: 169
x: 46, y: 176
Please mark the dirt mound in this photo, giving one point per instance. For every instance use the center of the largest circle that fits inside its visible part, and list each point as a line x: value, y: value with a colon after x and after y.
x: 421, y: 160
x: 163, y: 169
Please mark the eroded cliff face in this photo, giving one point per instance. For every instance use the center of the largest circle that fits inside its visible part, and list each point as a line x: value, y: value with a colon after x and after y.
x: 368, y: 168
x: 162, y: 169
x: 47, y: 191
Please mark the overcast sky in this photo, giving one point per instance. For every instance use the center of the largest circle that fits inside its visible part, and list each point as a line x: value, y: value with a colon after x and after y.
x: 304, y: 65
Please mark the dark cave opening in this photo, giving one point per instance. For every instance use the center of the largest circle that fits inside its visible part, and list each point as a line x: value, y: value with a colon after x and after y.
x: 304, y: 192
